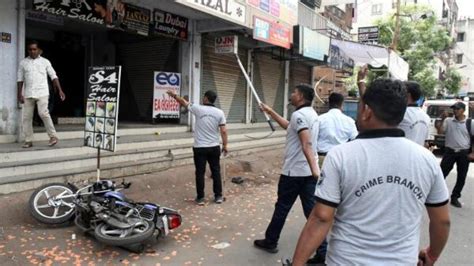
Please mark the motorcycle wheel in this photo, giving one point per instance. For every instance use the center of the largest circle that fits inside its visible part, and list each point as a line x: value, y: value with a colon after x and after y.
x: 113, y: 236
x: 45, y: 208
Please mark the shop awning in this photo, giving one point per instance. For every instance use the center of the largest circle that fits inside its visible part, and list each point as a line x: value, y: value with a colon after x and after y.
x: 376, y: 56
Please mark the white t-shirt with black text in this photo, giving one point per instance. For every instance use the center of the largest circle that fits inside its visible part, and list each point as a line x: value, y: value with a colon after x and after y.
x: 208, y: 120
x: 295, y: 163
x: 380, y: 184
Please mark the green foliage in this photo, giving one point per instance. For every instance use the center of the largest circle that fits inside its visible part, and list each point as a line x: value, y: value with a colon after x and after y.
x: 350, y: 83
x: 420, y: 39
x: 452, y: 82
x: 427, y: 81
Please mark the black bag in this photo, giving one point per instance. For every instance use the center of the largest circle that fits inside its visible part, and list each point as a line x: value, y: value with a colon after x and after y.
x: 470, y: 156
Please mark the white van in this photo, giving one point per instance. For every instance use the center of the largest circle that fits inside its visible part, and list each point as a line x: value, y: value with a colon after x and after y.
x: 434, y: 109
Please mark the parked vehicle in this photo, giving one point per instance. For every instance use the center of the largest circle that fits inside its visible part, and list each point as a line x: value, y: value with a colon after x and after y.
x: 434, y: 109
x: 103, y: 211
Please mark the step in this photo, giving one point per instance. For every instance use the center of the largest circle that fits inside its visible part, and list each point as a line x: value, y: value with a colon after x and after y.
x: 13, y: 153
x: 8, y: 171
x: 121, y: 170
x: 124, y: 130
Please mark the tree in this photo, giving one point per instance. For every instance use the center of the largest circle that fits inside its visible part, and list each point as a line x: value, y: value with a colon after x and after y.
x: 452, y: 81
x: 421, y: 38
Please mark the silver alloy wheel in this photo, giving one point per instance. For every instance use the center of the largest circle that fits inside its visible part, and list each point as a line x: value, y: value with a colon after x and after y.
x: 47, y: 204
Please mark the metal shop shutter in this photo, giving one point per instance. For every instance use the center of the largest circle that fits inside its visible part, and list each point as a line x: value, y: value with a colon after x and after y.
x: 269, y: 82
x: 221, y: 73
x: 139, y: 60
x: 299, y: 74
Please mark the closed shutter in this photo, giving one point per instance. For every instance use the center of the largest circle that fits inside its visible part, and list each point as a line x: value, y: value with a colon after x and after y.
x: 139, y: 60
x: 269, y: 82
x: 299, y: 74
x: 221, y: 73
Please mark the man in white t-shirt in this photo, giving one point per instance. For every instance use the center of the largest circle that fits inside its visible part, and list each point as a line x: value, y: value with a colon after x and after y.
x: 415, y: 123
x: 33, y: 89
x: 380, y: 183
x: 210, y: 120
x: 300, y: 169
x: 334, y: 127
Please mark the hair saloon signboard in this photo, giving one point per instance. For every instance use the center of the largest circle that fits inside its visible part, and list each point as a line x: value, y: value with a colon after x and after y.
x: 85, y: 10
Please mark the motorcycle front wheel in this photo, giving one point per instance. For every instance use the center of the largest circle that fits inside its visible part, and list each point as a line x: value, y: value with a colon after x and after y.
x: 49, y: 204
x: 114, y: 236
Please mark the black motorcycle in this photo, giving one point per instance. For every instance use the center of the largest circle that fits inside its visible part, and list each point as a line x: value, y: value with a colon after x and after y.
x: 103, y: 211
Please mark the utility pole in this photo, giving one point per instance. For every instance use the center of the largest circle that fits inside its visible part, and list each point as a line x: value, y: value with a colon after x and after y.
x: 396, y: 35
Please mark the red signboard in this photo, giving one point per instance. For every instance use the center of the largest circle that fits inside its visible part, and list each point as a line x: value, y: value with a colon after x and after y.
x: 271, y: 32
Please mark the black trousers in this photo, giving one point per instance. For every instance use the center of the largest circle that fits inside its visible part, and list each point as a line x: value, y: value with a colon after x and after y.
x: 462, y: 163
x: 212, y: 156
x: 289, y: 188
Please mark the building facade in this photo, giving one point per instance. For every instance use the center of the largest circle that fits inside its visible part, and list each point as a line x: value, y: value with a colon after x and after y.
x: 463, y: 54
x: 147, y: 36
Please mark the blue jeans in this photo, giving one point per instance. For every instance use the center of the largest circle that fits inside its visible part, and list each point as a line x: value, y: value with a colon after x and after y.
x: 289, y: 188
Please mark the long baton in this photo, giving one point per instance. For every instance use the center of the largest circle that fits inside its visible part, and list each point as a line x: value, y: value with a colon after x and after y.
x: 253, y: 91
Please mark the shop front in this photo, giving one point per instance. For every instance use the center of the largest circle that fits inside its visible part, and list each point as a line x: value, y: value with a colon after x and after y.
x: 140, y: 39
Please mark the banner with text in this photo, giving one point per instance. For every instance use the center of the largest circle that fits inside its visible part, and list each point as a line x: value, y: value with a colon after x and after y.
x: 130, y: 17
x: 230, y: 10
x: 271, y: 32
x: 285, y: 10
x: 164, y: 106
x: 226, y: 45
x: 85, y: 10
x: 103, y: 93
x: 170, y: 25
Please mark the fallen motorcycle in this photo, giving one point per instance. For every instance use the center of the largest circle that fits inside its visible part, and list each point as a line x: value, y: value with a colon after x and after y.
x: 103, y: 211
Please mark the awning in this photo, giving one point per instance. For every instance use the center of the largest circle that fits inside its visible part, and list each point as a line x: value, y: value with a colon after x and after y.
x: 376, y: 56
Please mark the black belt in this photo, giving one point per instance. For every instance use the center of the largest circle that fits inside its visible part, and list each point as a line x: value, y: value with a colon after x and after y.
x: 322, y: 153
x: 457, y: 150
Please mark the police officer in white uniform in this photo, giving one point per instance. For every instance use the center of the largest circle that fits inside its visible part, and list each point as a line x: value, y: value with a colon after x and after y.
x: 209, y: 122
x: 457, y: 148
x: 300, y: 169
x: 334, y: 127
x: 379, y: 184
x: 415, y: 123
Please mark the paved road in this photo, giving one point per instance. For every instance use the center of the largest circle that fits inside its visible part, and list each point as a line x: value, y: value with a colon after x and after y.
x: 240, y: 220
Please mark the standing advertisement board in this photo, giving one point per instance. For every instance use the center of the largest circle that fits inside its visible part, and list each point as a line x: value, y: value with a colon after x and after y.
x: 164, y: 106
x: 103, y: 93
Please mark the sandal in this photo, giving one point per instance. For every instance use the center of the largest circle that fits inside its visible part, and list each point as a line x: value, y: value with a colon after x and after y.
x: 27, y: 145
x: 52, y: 141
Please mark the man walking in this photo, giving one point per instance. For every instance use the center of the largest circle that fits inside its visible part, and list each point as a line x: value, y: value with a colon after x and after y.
x: 415, y: 123
x: 300, y: 169
x: 209, y: 121
x: 457, y: 147
x: 334, y: 127
x: 379, y: 183
x: 32, y: 73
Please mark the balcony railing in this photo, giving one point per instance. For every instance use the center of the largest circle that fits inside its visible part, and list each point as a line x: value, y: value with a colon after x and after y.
x: 309, y: 18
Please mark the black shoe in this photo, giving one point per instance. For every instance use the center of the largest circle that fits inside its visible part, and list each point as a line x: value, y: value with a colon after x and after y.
x: 218, y: 199
x: 199, y: 201
x: 263, y: 244
x: 455, y: 202
x: 317, y: 259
